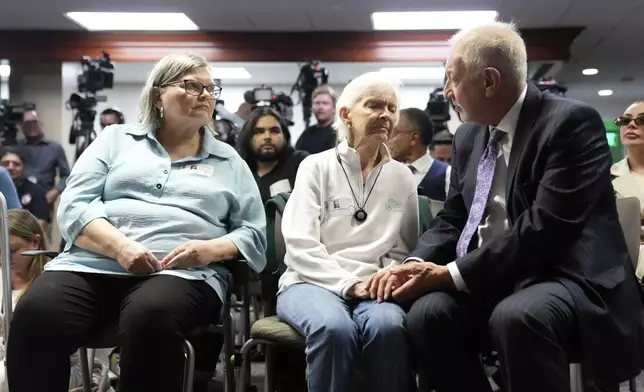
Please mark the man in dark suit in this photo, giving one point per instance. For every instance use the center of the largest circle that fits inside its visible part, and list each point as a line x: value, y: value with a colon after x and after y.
x: 527, y: 257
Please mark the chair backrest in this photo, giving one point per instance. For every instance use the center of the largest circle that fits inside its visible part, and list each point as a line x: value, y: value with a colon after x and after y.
x: 628, y: 210
x: 425, y: 215
x: 276, y: 249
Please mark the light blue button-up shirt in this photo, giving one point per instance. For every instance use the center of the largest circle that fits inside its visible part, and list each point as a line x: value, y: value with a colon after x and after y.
x: 126, y: 177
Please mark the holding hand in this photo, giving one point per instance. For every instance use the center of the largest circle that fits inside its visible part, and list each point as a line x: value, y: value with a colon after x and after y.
x: 136, y: 258
x: 408, y: 281
x: 359, y: 290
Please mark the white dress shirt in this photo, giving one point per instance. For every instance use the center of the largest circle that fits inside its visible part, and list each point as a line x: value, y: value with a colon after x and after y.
x: 419, y: 168
x: 496, y: 221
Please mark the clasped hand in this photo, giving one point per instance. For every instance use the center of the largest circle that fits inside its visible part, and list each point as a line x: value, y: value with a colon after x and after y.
x: 139, y: 260
x: 403, y: 282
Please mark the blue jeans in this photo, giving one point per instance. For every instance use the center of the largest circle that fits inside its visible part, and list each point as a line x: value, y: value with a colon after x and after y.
x: 342, y: 336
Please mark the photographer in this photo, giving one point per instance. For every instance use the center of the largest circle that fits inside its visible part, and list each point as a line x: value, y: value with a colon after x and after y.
x: 46, y: 158
x: 441, y: 147
x: 322, y: 136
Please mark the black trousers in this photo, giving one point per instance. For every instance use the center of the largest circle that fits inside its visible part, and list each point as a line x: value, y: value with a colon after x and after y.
x: 533, y: 332
x: 153, y: 314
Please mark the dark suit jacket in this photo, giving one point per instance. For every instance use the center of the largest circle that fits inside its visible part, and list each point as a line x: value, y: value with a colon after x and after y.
x: 563, y: 226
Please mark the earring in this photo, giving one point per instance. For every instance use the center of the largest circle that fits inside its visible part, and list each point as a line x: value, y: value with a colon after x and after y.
x: 349, y: 125
x: 160, y: 112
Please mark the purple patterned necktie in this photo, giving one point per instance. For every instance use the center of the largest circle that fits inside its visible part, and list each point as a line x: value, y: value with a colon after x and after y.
x: 484, y: 176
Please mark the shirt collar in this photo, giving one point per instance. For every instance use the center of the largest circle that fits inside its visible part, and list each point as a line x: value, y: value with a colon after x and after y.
x: 211, y: 145
x: 349, y: 153
x: 620, y: 168
x: 422, y: 164
x: 509, y: 123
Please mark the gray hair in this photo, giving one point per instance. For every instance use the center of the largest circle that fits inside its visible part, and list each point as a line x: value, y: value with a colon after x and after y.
x: 368, y: 84
x: 169, y: 69
x: 498, y: 45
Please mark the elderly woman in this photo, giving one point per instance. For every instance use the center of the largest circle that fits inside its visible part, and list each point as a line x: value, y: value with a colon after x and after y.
x: 353, y: 211
x: 628, y: 174
x: 149, y: 213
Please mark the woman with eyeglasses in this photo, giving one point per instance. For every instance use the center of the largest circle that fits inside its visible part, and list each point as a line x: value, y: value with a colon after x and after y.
x: 628, y: 174
x: 149, y: 213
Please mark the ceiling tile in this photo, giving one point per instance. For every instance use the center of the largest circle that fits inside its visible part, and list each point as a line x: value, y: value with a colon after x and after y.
x: 598, y: 12
x: 280, y: 21
x: 531, y: 14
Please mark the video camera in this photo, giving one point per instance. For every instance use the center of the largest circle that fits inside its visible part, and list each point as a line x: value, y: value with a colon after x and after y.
x: 265, y: 96
x: 10, y: 117
x: 227, y: 124
x: 551, y: 85
x: 438, y: 110
x: 312, y: 75
x: 97, y: 75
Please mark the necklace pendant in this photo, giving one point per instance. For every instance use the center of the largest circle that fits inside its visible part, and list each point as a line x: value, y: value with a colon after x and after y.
x: 360, y: 215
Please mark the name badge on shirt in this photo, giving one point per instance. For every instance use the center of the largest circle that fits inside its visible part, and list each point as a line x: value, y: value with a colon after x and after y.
x: 199, y: 168
x: 280, y: 186
x: 339, y: 207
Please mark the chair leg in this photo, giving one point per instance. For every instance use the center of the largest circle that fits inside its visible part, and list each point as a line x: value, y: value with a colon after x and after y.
x: 85, y: 370
x: 243, y: 378
x: 632, y: 385
x: 229, y: 352
x: 269, y: 377
x: 189, y: 368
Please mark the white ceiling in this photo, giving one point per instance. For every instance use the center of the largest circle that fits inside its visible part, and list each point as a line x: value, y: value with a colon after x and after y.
x: 609, y: 42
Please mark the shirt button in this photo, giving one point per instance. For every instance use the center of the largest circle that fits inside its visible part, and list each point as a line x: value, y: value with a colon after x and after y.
x: 204, y: 276
x: 159, y: 186
x: 165, y: 171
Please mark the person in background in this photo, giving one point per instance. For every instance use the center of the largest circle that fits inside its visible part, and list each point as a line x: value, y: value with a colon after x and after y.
x: 32, y: 196
x: 628, y: 174
x: 46, y: 158
x: 353, y: 212
x: 25, y: 233
x: 527, y: 256
x: 441, y: 146
x: 244, y: 110
x: 111, y: 116
x: 409, y: 144
x: 321, y: 136
x: 8, y: 190
x: 150, y: 213
x: 265, y: 144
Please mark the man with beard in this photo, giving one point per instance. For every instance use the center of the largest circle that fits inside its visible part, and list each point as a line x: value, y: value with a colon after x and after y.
x: 321, y: 136
x: 264, y: 143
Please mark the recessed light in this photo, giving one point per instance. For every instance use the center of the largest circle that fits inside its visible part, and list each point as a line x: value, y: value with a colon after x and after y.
x: 130, y: 21
x: 590, y: 71
x: 416, y: 73
x: 229, y: 73
x: 605, y: 93
x: 433, y: 20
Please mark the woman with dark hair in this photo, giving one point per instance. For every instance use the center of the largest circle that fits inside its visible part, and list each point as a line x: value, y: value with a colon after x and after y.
x: 265, y: 144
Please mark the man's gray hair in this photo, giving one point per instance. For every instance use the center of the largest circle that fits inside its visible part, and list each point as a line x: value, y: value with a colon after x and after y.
x: 365, y: 85
x: 171, y: 68
x: 498, y: 45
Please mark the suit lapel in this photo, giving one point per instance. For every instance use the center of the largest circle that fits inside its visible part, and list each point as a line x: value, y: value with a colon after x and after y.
x: 479, y: 142
x: 529, y: 115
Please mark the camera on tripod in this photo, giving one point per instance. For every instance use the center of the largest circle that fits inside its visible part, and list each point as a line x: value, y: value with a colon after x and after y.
x: 97, y: 75
x: 438, y: 110
x: 312, y: 75
x: 265, y: 96
x: 551, y: 85
x: 10, y: 117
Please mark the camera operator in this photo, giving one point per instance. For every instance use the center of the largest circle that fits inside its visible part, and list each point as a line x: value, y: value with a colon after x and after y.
x: 111, y: 117
x: 322, y: 136
x: 441, y: 147
x: 45, y: 157
x: 264, y: 143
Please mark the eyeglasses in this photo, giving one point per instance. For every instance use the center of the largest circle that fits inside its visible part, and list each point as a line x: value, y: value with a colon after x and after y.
x: 623, y: 121
x: 195, y: 88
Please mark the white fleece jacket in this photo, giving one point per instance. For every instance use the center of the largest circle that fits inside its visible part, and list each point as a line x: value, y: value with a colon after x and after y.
x: 325, y: 245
